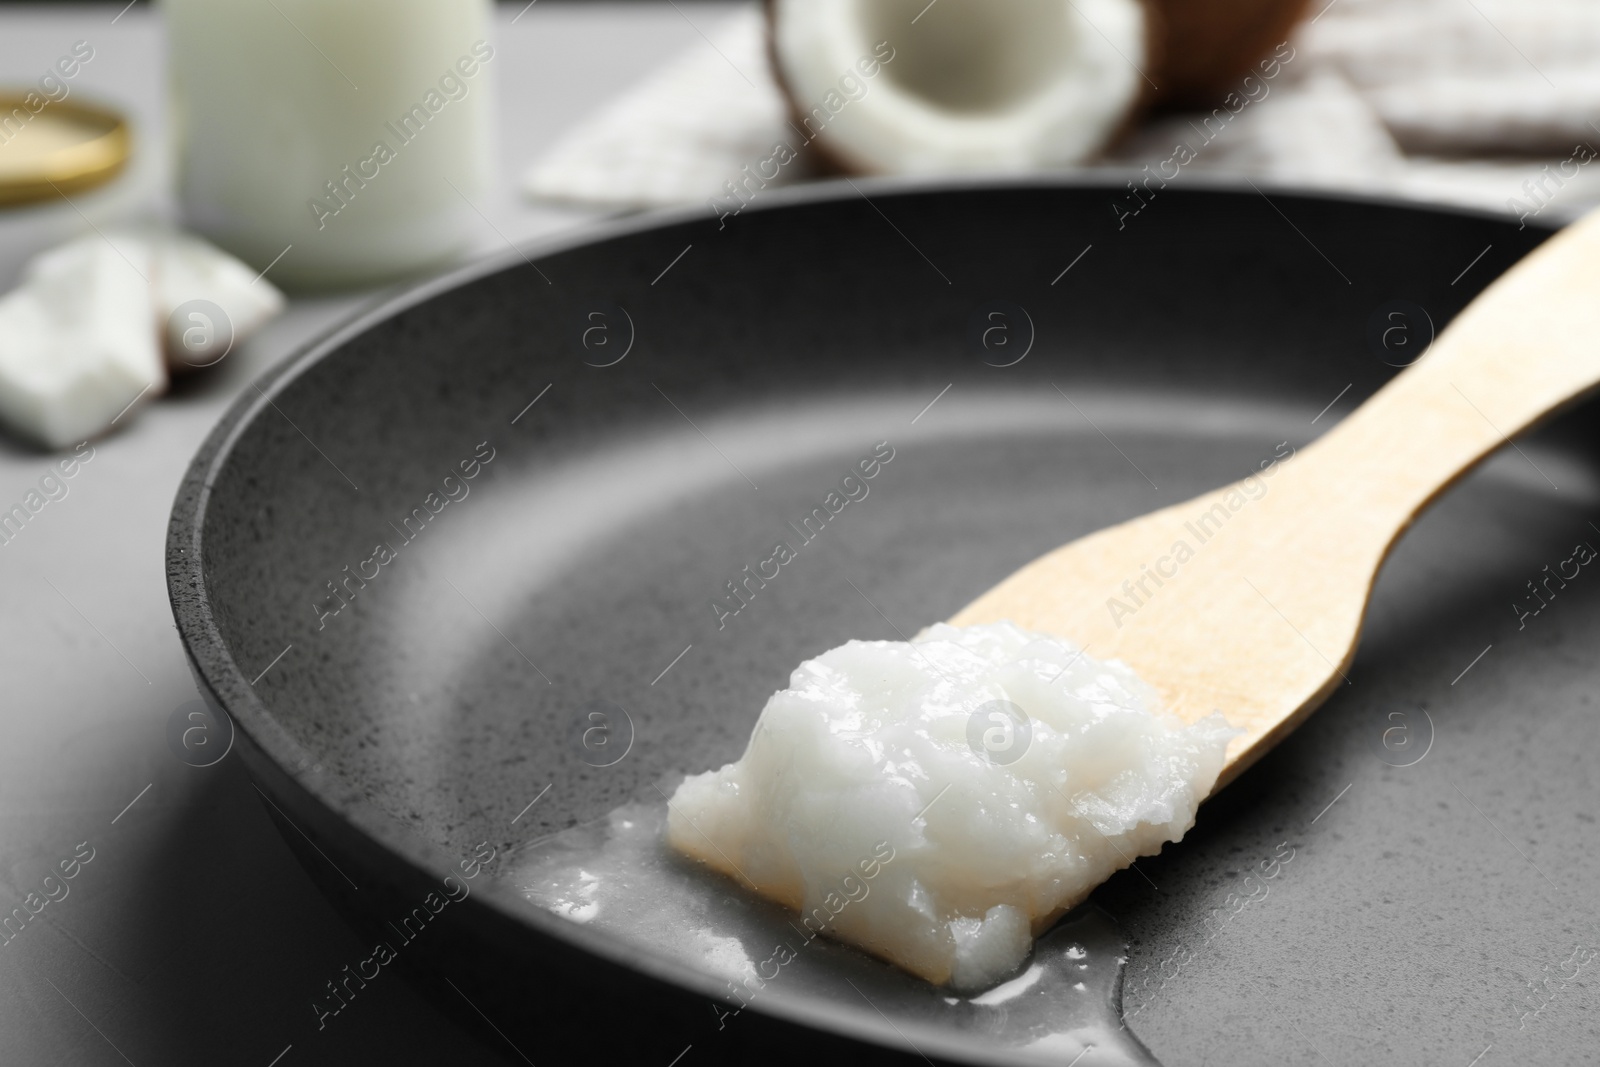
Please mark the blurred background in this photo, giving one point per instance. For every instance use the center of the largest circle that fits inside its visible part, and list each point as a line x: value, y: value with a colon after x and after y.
x: 191, y: 190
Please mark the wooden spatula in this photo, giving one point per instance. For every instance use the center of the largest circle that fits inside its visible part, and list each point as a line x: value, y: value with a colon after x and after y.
x: 1249, y: 600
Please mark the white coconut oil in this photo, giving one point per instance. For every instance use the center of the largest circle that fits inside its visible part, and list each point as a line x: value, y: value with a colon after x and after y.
x: 940, y: 802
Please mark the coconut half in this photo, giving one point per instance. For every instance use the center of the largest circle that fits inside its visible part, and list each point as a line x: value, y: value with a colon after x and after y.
x: 905, y: 86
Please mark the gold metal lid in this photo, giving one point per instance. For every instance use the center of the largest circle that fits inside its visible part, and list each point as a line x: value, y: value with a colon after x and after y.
x: 58, y: 148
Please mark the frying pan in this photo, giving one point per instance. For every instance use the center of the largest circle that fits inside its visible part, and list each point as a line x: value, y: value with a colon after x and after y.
x: 570, y: 453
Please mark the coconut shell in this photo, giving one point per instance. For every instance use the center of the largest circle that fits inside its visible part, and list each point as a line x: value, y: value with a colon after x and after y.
x: 822, y: 160
x: 1155, y: 52
x: 1209, y: 45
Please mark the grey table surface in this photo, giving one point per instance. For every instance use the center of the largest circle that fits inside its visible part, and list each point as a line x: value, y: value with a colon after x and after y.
x: 192, y: 936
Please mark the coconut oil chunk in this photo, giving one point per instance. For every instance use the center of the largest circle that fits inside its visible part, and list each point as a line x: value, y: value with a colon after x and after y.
x: 940, y: 802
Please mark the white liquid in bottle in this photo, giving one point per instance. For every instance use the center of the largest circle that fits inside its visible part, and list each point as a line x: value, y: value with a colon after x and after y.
x: 353, y: 133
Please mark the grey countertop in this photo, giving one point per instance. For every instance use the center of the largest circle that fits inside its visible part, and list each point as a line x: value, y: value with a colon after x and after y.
x: 192, y: 936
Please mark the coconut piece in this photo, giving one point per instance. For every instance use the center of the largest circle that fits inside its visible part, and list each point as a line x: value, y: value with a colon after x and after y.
x: 83, y: 337
x: 205, y: 301
x: 191, y: 273
x: 77, y: 344
x: 902, y: 86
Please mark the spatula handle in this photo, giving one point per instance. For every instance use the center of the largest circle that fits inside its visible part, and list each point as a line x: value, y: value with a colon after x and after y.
x: 1529, y: 345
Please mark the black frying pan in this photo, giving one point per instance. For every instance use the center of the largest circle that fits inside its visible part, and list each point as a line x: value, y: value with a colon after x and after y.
x: 618, y: 400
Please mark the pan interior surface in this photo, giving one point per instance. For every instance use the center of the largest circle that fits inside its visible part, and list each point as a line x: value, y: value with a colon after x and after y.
x: 515, y: 535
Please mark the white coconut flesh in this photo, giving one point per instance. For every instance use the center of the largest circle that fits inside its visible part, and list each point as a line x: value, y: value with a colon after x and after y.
x: 189, y: 270
x: 901, y: 86
x: 81, y: 339
x: 78, y: 345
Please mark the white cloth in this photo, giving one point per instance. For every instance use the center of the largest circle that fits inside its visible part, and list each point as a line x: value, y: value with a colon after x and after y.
x: 1473, y: 102
x: 680, y: 133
